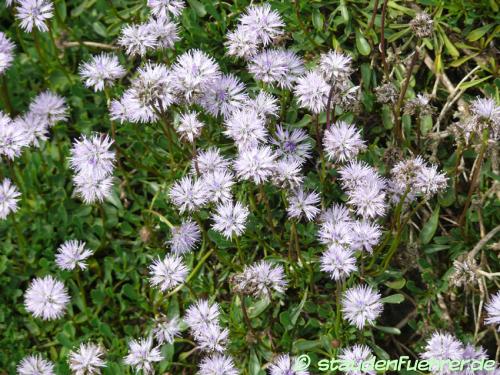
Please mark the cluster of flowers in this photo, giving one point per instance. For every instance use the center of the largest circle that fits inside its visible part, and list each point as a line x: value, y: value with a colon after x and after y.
x: 484, y: 117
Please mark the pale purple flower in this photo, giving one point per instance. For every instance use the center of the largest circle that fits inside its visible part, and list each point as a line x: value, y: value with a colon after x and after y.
x: 335, y: 66
x: 202, y: 314
x: 338, y: 262
x: 486, y: 109
x: 189, y: 126
x: 338, y: 212
x: 217, y: 364
x: 312, y: 92
x: 287, y: 174
x: 188, y: 194
x: 165, y: 30
x: 246, y: 128
x: 118, y: 111
x: 354, y: 356
x: 9, y: 196
x: 255, y: 164
x: 336, y: 233
x: 51, y: 106
x: 493, y: 311
x: 264, y: 22
x: 242, y: 43
x: 12, y: 137
x: 292, y: 144
x: 358, y: 173
x: 91, y: 156
x: 219, y: 184
x: 166, y: 330
x: 35, y: 128
x: 194, y: 72
x: 92, y: 189
x: 33, y: 14
x: 212, y: 338
x: 281, y: 67
x: 101, y: 71
x: 429, y: 181
x: 303, y: 204
x: 286, y: 365
x: 166, y: 8
x: 46, y: 298
x: 72, y: 254
x: 137, y: 39
x: 35, y: 365
x: 142, y: 355
x: 442, y: 347
x: 224, y: 96
x: 184, y: 237
x: 366, y: 235
x: 230, y: 219
x: 472, y: 354
x: 264, y: 104
x: 342, y: 142
x: 209, y: 161
x: 361, y: 305
x: 6, y: 52
x: 87, y: 360
x: 368, y: 200
x: 168, y: 273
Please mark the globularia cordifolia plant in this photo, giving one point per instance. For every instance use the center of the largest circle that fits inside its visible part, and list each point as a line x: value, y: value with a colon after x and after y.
x: 223, y: 188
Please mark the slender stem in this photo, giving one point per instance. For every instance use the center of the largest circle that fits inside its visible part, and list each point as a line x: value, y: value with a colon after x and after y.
x: 372, y: 18
x: 38, y: 48
x: 239, y: 250
x: 245, y: 315
x: 4, y: 90
x: 382, y: 40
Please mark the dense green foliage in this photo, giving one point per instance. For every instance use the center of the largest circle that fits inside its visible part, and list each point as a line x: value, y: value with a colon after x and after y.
x: 112, y: 300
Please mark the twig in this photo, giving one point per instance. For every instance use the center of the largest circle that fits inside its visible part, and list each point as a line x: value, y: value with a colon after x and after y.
x: 382, y: 40
x: 89, y: 44
x: 483, y: 242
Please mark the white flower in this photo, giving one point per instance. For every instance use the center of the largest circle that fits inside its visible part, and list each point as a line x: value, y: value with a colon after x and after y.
x: 92, y: 189
x: 209, y: 161
x: 342, y: 142
x: 34, y: 14
x: 202, y: 314
x: 46, y: 298
x: 292, y: 144
x: 242, y: 43
x: 354, y: 356
x: 34, y: 127
x: 185, y: 237
x: 168, y: 273
x: 166, y: 32
x: 493, y: 311
x: 224, y: 96
x: 264, y: 22
x: 338, y: 262
x: 246, y: 128
x: 87, y: 360
x: 35, y: 365
x: 166, y: 8
x: 286, y: 365
x: 336, y: 233
x: 261, y: 279
x: 6, y: 52
x: 51, y: 106
x: 366, y: 235
x: 219, y: 184
x: 301, y: 204
x: 287, y: 174
x: 212, y: 338
x: 101, y: 71
x: 335, y: 66
x: 217, y: 364
x: 486, y: 109
x: 230, y: 219
x: 188, y: 194
x: 361, y: 305
x: 189, y: 127
x: 337, y: 212
x: 278, y: 66
x: 92, y: 156
x: 264, y: 104
x: 142, y: 355
x: 442, y: 347
x: 12, y: 138
x: 9, y: 196
x: 312, y: 92
x: 166, y: 330
x: 72, y: 254
x: 137, y: 39
x: 255, y: 164
x: 429, y: 181
x: 369, y: 200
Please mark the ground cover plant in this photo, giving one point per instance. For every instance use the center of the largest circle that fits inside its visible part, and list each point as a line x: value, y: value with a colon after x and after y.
x: 209, y: 187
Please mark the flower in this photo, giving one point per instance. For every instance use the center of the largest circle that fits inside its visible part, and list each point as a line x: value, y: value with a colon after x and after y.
x: 338, y: 262
x: 194, y: 72
x: 369, y: 200
x: 34, y: 127
x: 354, y: 356
x: 361, y: 305
x: 261, y: 279
x: 442, y: 347
x: 224, y: 96
x: 12, y: 138
x: 301, y: 204
x: 230, y: 219
x: 219, y: 186
x: 9, y: 196
x: 209, y: 161
x: 168, y: 273
x: 101, y: 71
x: 286, y: 365
x: 262, y: 21
x: 336, y: 233
x: 34, y: 14
x: 166, y: 330
x: 264, y: 104
x: 486, y: 109
x: 46, y: 298
x: 50, y: 106
x: 212, y: 338
x: 312, y: 92
x: 87, y: 359
x: 142, y: 355
x: 282, y: 67
x: 493, y: 311
x: 342, y: 142
x: 137, y: 39
x: 366, y: 235
x: 292, y: 144
x: 255, y: 164
x: 430, y: 182
x: 189, y: 127
x: 246, y: 128
x: 242, y: 43
x: 184, y: 237
x: 165, y: 30
x: 92, y: 156
x: 35, y: 365
x: 287, y: 174
x: 202, y: 314
x: 92, y: 189
x: 358, y: 173
x: 6, y: 52
x: 335, y: 66
x: 336, y: 213
x: 217, y: 364
x: 166, y: 8
x: 72, y: 254
x: 422, y: 25
x: 188, y: 194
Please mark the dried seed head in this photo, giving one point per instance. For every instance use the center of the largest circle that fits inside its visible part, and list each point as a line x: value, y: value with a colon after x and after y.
x: 422, y: 25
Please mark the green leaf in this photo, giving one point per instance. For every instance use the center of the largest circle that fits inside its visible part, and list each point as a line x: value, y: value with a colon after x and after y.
x: 198, y: 7
x: 468, y: 85
x: 396, y: 284
x: 317, y: 20
x: 390, y: 330
x: 362, y: 44
x: 450, y: 47
x: 393, y: 299
x: 479, y: 32
x: 429, y: 228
